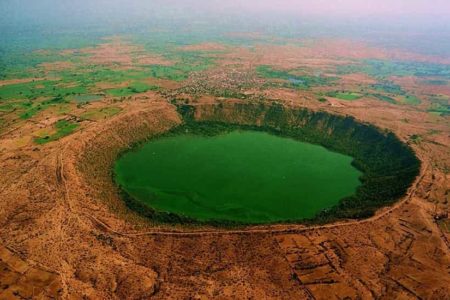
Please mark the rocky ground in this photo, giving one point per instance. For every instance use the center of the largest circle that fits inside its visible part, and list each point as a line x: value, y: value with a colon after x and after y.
x: 65, y: 233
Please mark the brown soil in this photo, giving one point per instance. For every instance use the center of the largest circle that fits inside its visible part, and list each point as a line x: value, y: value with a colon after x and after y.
x: 117, y: 52
x: 109, y: 54
x: 69, y: 235
x: 154, y: 59
x: 16, y: 81
x: 65, y: 233
x: 318, y: 55
x: 57, y: 66
x: 205, y: 47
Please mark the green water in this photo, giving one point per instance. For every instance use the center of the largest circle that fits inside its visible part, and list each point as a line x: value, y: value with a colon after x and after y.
x: 244, y: 176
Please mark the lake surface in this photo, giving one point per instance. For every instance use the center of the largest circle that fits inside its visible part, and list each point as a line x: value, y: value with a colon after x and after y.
x: 245, y: 176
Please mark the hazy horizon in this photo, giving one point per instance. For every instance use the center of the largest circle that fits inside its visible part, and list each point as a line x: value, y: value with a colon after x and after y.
x: 405, y: 23
x: 29, y: 11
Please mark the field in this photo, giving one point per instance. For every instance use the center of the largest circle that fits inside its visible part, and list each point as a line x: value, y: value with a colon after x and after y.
x: 350, y: 96
x: 67, y: 113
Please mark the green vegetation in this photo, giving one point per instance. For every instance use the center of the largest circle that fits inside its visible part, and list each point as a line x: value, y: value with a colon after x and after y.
x: 178, y: 72
x: 169, y: 72
x: 100, y: 113
x: 62, y: 127
x: 89, y: 75
x: 33, y: 108
x: 388, y: 87
x: 436, y: 82
x: 225, y: 93
x: 386, y: 68
x: 440, y: 105
x: 394, y: 90
x: 384, y: 98
x: 415, y: 138
x: 444, y: 225
x: 33, y: 97
x: 24, y: 63
x: 83, y: 82
x: 411, y: 100
x: 133, y: 88
x: 292, y: 79
x: 7, y: 107
x: 35, y: 89
x: 440, y: 110
x: 85, y: 98
x: 345, y: 95
x: 185, y: 62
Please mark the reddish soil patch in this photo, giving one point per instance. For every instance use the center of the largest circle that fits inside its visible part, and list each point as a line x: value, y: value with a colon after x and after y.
x: 153, y: 60
x: 57, y: 66
x: 320, y: 54
x: 111, y: 53
x: 205, y: 47
x: 16, y: 81
x: 357, y: 78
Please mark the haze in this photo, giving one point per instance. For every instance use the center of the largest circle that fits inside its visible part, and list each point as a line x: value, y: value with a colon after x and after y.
x: 421, y: 24
x: 14, y: 10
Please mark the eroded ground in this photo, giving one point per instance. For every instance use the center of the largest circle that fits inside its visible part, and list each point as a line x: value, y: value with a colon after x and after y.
x: 64, y: 232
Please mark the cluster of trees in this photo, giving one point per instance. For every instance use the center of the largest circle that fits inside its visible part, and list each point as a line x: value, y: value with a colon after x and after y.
x: 293, y: 79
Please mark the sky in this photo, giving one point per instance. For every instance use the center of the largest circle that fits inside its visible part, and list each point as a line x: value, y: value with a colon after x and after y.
x: 328, y: 8
x: 352, y: 7
x: 374, y: 19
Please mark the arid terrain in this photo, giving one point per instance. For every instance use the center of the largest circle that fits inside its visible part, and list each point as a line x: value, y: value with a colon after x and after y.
x: 66, y: 233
